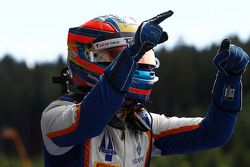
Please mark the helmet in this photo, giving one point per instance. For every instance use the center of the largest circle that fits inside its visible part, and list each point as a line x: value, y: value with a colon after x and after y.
x: 95, y: 44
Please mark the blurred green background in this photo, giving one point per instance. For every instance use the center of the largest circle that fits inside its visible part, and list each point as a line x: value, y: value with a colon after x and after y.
x: 184, y: 90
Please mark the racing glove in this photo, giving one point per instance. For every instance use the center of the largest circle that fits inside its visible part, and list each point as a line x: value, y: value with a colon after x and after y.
x: 231, y: 62
x: 147, y: 36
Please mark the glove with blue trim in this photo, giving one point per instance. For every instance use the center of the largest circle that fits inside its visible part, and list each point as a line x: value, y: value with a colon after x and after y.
x: 231, y: 62
x: 147, y: 36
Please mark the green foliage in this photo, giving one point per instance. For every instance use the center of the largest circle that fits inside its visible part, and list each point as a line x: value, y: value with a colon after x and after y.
x: 184, y: 89
x: 14, y: 161
x: 24, y: 95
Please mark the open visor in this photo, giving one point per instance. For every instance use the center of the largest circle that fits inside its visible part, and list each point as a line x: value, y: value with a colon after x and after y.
x: 109, y: 54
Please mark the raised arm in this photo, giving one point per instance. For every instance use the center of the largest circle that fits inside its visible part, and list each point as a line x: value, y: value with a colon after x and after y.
x: 90, y: 117
x: 185, y: 135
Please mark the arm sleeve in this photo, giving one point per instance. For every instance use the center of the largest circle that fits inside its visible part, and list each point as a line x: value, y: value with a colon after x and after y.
x: 185, y: 135
x: 68, y: 125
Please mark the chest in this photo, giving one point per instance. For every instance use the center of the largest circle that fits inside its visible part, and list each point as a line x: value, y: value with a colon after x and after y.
x: 117, y: 148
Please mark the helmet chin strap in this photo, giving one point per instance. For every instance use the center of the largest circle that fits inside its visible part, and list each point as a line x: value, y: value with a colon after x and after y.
x: 129, y: 117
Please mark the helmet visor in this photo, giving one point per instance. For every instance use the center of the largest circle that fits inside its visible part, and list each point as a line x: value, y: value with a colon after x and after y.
x: 107, y: 55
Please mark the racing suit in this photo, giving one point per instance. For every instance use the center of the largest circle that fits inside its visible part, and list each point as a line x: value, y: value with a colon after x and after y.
x: 77, y: 134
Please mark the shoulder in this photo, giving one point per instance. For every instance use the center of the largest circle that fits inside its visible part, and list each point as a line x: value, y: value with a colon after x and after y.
x: 57, y: 109
x: 64, y: 101
x: 158, y: 117
x: 58, y: 104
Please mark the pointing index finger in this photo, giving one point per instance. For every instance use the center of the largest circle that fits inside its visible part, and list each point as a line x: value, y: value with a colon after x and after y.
x: 160, y: 17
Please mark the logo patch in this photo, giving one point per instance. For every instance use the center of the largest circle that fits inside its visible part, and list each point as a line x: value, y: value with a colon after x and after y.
x: 108, y: 148
x: 229, y: 92
x: 138, y: 151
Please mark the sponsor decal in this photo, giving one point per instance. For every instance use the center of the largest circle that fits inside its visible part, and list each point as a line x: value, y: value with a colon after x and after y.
x: 108, y: 149
x: 93, y: 77
x: 113, y: 43
x: 107, y: 44
x: 137, y: 160
x: 138, y: 151
x: 129, y: 41
x: 73, y: 53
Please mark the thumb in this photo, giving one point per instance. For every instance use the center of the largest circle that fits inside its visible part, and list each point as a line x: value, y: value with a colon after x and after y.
x: 164, y: 37
x: 225, y: 44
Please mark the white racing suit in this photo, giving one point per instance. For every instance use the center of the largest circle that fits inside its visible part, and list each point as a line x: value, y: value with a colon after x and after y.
x: 77, y: 134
